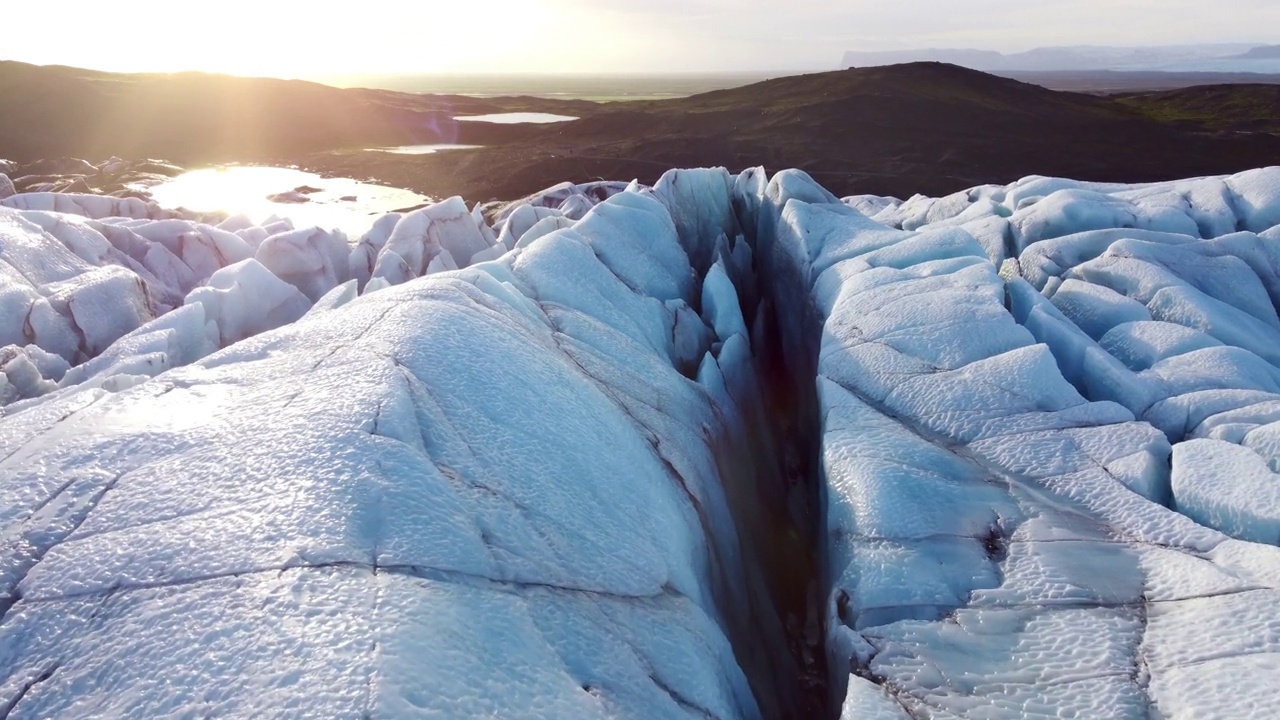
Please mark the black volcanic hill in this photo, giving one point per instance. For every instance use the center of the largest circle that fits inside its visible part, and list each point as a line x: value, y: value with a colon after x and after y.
x: 197, y: 117
x: 922, y: 127
x: 1214, y: 108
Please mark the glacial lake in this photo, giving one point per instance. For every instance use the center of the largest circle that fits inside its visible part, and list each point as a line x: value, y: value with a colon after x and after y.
x: 423, y: 149
x: 304, y: 198
x: 516, y: 118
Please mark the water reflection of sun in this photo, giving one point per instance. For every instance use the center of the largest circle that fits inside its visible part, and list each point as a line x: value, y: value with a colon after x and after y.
x: 330, y: 203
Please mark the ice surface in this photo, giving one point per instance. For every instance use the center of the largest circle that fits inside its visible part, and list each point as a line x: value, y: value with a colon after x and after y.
x: 1140, y: 345
x: 60, y: 301
x: 998, y: 522
x: 103, y: 304
x: 22, y: 374
x: 1227, y: 487
x: 1096, y: 309
x: 373, y: 494
x: 173, y: 340
x: 245, y: 299
x: 313, y: 260
x: 459, y: 469
x: 1072, y: 211
x: 701, y: 205
x: 90, y: 206
x: 32, y: 255
x: 720, y: 303
x: 556, y: 196
x: 364, y: 256
x: 543, y: 227
x: 871, y: 205
x: 73, y: 286
x: 1257, y: 195
x: 521, y: 219
x: 423, y: 234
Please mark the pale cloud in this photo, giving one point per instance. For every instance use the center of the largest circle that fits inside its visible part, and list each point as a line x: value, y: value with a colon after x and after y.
x: 308, y: 39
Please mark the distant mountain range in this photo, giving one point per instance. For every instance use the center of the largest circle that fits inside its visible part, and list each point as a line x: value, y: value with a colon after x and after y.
x: 1265, y: 52
x: 1228, y: 57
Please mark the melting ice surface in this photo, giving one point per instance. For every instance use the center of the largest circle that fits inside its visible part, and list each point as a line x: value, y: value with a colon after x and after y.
x: 423, y: 149
x: 516, y: 118
x: 341, y: 203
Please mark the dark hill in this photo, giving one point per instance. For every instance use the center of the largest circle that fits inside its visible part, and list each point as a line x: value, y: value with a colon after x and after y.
x: 922, y: 127
x: 1110, y: 82
x: 1214, y: 108
x: 196, y: 117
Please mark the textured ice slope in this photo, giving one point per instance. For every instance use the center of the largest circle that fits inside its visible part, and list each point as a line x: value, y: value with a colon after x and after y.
x: 487, y: 494
x: 80, y: 272
x: 999, y: 541
x: 1030, y: 431
x: 1177, y: 321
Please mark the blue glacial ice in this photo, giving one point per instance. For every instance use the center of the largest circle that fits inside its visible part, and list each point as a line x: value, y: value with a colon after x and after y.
x: 711, y: 448
x: 320, y: 517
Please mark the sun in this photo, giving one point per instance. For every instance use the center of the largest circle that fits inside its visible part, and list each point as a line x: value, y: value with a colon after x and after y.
x: 291, y: 39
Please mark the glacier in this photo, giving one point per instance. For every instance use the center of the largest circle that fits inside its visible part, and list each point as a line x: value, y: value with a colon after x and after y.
x: 728, y: 446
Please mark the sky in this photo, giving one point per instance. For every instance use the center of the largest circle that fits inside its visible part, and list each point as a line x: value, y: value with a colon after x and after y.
x: 316, y: 40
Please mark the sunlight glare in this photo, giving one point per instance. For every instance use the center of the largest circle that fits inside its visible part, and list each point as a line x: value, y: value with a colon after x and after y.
x: 340, y: 203
x: 286, y: 39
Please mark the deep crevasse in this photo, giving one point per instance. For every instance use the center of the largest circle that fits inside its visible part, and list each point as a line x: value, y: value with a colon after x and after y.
x: 579, y: 480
